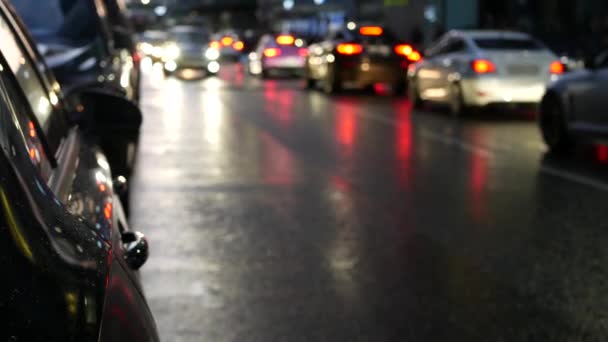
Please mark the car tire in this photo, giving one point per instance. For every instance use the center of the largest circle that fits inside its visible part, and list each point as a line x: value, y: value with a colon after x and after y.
x: 310, y: 83
x: 414, y: 95
x: 332, y: 83
x: 265, y: 74
x: 456, y: 104
x: 552, y: 124
x: 399, y: 88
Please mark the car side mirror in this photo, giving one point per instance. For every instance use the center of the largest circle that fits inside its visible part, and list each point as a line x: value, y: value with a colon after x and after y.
x: 105, y: 112
x: 136, y: 249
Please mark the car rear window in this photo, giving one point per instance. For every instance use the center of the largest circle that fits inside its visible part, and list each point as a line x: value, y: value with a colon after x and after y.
x: 507, y: 44
x: 190, y: 37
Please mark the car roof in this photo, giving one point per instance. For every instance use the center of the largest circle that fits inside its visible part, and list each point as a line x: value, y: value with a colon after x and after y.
x: 474, y: 34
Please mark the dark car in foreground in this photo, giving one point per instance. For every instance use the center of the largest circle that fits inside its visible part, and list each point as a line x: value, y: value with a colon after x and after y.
x: 359, y: 57
x: 574, y: 107
x: 83, y: 42
x: 68, y: 257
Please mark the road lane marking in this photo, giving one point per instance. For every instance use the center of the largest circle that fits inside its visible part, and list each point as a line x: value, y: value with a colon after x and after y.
x: 451, y: 141
x: 576, y: 178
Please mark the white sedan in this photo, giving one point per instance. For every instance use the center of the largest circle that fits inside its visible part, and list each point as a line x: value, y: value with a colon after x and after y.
x: 477, y: 68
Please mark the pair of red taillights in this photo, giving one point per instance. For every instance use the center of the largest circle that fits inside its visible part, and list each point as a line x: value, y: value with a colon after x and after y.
x: 404, y: 50
x: 227, y: 41
x: 484, y: 66
x: 350, y: 49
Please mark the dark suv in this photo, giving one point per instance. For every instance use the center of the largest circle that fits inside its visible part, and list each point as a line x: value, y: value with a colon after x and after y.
x: 69, y: 261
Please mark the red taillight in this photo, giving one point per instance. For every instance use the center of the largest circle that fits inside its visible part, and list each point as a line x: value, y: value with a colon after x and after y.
x: 414, y: 56
x: 483, y: 66
x: 371, y: 30
x: 272, y: 52
x: 349, y: 49
x: 303, y: 52
x: 238, y: 46
x: 285, y: 40
x: 227, y: 41
x: 557, y: 68
x: 136, y: 57
x: 404, y: 49
x: 215, y: 45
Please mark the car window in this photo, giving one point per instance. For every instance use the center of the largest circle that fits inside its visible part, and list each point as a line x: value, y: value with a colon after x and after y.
x: 507, y: 44
x: 60, y: 21
x: 437, y: 48
x: 455, y: 45
x: 14, y: 99
x: 25, y: 73
x: 190, y: 36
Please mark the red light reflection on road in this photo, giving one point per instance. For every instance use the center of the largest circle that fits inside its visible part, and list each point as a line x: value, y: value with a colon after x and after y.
x: 403, y: 141
x: 346, y: 126
x: 478, y: 179
x: 277, y: 163
x: 403, y: 111
x: 279, y: 104
x: 601, y: 153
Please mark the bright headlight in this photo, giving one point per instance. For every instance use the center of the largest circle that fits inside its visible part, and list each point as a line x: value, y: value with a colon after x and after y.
x: 157, y: 51
x: 212, y: 54
x: 172, y: 51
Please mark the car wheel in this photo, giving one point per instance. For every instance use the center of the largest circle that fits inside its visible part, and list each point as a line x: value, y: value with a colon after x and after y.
x: 265, y: 74
x: 414, y: 95
x: 332, y: 83
x: 457, y: 106
x: 399, y: 88
x: 310, y: 83
x: 553, y: 125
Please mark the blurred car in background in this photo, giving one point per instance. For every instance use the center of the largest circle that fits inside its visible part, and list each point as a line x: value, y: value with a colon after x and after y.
x: 471, y: 69
x: 151, y: 44
x: 277, y: 54
x: 188, y: 48
x: 82, y: 47
x: 70, y: 261
x: 574, y: 107
x: 228, y: 43
x: 359, y: 56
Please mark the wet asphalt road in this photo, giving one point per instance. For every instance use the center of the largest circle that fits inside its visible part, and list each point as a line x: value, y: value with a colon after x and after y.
x: 278, y: 214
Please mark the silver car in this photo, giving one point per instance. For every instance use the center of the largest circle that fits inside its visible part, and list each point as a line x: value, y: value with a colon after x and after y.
x: 477, y: 68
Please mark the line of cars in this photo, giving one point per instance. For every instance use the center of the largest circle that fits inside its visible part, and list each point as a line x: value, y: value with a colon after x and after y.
x: 190, y: 46
x: 69, y: 86
x: 464, y: 70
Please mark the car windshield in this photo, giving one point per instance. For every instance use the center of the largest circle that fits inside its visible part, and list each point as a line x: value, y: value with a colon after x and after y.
x: 65, y: 21
x: 197, y: 37
x: 507, y: 44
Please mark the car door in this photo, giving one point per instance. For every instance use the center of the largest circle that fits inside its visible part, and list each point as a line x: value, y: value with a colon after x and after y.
x: 75, y: 179
x: 590, y: 97
x: 429, y: 73
x: 449, y: 63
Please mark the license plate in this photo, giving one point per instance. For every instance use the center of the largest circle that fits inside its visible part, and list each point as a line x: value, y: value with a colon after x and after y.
x: 382, y: 50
